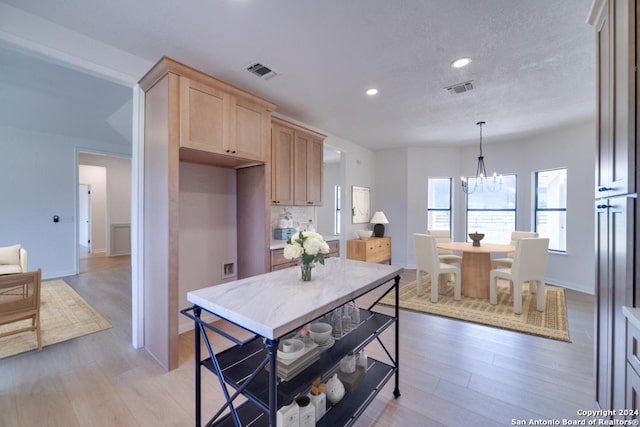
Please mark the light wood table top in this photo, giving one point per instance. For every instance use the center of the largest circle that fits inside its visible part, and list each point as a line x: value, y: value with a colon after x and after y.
x: 483, y: 248
x: 476, y: 265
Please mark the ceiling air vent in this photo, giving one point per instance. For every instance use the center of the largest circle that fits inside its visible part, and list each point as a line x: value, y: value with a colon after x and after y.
x: 260, y: 70
x: 460, y: 87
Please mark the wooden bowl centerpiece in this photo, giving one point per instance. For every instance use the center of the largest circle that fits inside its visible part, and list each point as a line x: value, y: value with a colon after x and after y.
x: 476, y: 237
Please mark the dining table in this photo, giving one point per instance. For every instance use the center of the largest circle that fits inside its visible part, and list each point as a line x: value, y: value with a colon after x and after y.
x: 476, y: 265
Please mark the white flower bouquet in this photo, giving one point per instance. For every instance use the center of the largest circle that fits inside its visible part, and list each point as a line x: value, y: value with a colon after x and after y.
x: 310, y: 247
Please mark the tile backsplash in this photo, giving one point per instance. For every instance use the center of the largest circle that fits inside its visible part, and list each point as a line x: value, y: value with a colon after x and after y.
x: 300, y: 215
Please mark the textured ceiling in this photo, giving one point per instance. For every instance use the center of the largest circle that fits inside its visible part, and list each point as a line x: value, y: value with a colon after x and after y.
x: 533, y: 60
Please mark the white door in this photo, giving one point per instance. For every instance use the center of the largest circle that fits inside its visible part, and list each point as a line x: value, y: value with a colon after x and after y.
x: 84, y: 217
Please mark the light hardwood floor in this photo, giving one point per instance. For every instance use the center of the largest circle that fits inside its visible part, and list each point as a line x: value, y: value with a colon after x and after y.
x: 452, y: 373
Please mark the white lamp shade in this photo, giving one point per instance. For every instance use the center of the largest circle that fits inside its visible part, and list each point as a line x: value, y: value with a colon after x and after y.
x: 379, y: 218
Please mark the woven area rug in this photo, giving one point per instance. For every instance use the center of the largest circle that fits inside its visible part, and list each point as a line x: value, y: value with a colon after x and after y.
x: 551, y: 323
x: 63, y: 315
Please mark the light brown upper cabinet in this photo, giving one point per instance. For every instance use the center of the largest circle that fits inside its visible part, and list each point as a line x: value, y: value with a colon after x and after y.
x: 281, y: 165
x: 297, y: 165
x: 217, y: 121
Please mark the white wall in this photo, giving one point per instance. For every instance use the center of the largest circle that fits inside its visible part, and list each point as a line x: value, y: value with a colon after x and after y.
x: 41, y: 180
x: 572, y: 147
x: 208, y: 229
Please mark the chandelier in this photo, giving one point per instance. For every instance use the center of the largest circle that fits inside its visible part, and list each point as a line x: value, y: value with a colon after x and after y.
x: 481, y: 181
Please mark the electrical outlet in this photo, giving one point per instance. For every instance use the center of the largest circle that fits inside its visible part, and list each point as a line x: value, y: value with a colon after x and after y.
x: 228, y: 270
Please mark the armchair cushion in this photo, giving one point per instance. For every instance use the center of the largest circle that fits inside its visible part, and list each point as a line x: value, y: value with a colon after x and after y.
x: 13, y: 259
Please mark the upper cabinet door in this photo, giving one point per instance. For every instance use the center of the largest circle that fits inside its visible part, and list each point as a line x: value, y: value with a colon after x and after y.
x: 616, y: 51
x: 315, y: 166
x: 215, y: 121
x: 297, y: 156
x: 300, y: 159
x: 203, y: 116
x: 250, y: 139
x: 281, y: 165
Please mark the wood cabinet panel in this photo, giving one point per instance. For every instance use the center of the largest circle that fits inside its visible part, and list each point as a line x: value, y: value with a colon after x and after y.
x: 616, y: 136
x: 281, y: 165
x: 297, y: 176
x: 193, y: 117
x: 215, y: 121
x: 375, y: 249
x: 202, y: 116
x: 251, y: 138
x: 616, y: 161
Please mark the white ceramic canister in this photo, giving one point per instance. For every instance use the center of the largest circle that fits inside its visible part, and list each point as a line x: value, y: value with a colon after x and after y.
x: 307, y: 412
x: 288, y: 416
x: 319, y: 401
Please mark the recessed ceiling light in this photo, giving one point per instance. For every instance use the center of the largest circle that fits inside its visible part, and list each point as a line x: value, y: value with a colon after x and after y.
x: 372, y: 92
x: 460, y: 62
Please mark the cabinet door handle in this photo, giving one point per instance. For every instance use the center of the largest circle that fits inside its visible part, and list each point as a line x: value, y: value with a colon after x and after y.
x: 604, y: 206
x: 602, y: 189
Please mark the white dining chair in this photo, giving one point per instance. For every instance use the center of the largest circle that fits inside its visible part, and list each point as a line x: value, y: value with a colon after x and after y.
x: 445, y: 255
x: 507, y: 262
x: 529, y: 265
x: 427, y: 262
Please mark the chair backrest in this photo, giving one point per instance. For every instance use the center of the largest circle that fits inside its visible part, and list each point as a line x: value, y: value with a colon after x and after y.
x: 426, y: 252
x: 530, y: 260
x: 516, y: 235
x: 19, y: 295
x: 441, y: 236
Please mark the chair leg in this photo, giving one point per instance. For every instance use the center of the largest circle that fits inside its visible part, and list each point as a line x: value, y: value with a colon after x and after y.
x: 419, y: 283
x: 493, y: 290
x: 457, y: 294
x: 434, y: 288
x: 517, y: 298
x: 542, y: 296
x: 38, y: 334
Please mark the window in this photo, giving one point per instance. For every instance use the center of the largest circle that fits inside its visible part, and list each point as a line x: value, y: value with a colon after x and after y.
x: 439, y: 204
x: 551, y: 207
x: 337, y: 209
x: 493, y: 213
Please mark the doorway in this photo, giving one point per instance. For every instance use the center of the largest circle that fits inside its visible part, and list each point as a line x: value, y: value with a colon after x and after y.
x: 84, y: 221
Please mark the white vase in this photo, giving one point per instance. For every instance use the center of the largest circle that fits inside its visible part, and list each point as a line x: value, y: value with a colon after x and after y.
x: 307, y: 414
x: 288, y: 416
x: 319, y: 401
x: 335, y: 389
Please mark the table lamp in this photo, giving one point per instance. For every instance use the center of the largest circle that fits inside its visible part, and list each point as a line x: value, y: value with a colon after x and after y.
x: 378, y: 219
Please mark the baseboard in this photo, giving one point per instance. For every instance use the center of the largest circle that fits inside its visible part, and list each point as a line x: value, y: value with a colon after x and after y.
x: 57, y: 275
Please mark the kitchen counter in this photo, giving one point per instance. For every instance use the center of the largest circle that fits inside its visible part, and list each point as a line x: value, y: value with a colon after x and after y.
x: 273, y: 304
x: 279, y: 244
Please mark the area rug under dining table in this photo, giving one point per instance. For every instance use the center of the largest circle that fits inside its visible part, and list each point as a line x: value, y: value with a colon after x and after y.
x: 551, y: 323
x: 64, y: 315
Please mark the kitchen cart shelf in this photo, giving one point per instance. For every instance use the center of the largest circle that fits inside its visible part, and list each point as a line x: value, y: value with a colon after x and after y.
x: 236, y: 361
x: 248, y: 368
x: 344, y: 413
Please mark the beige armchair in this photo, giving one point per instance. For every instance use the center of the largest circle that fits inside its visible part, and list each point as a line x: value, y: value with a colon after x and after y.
x: 19, y: 301
x: 427, y: 262
x: 508, y: 261
x: 529, y: 265
x: 13, y: 259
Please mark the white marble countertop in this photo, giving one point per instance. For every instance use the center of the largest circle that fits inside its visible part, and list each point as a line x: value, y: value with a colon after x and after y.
x: 279, y: 244
x: 273, y: 304
x: 633, y: 314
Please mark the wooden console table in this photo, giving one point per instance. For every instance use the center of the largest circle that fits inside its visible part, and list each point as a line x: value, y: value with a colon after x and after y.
x: 271, y: 306
x: 374, y: 249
